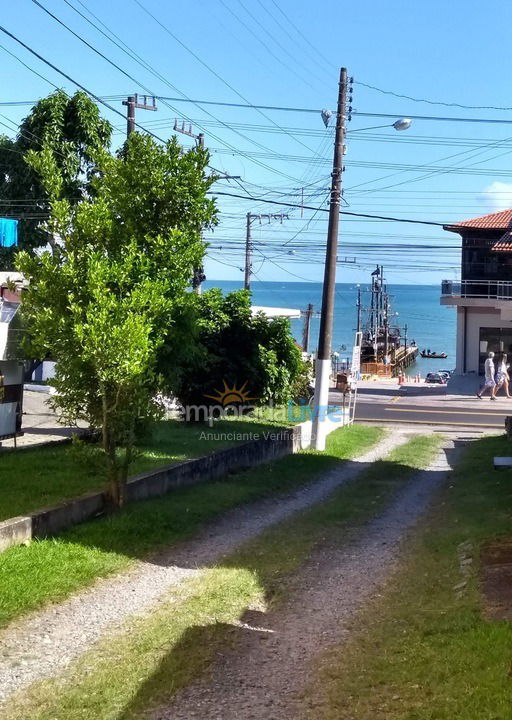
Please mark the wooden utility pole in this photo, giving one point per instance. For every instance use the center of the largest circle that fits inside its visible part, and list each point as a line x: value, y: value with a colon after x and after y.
x: 132, y: 102
x: 248, y: 241
x: 198, y: 277
x: 323, y: 362
x: 307, y: 314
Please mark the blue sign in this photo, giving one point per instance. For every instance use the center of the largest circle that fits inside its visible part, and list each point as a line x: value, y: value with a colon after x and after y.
x: 8, y: 232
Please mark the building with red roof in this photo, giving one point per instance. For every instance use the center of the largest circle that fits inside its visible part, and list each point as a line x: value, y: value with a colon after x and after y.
x: 483, y: 297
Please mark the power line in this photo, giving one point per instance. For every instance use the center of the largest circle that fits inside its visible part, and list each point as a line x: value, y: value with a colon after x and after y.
x: 355, y: 113
x: 75, y: 82
x: 284, y: 28
x: 267, y: 33
x: 32, y: 71
x: 212, y: 71
x: 133, y: 79
x: 431, y: 102
x: 320, y: 209
x: 301, y: 34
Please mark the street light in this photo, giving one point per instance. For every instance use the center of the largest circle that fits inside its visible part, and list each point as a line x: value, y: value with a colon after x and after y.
x: 400, y: 124
x: 323, y: 361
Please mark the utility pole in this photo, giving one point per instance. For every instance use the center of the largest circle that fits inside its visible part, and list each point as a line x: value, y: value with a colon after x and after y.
x: 405, y: 336
x: 358, y: 310
x: 132, y: 102
x: 248, y: 241
x: 386, y: 331
x: 307, y: 314
x: 323, y: 363
x: 184, y: 131
x: 198, y: 277
x: 248, y: 253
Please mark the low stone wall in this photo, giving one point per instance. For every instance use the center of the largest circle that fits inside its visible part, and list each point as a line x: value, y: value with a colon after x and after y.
x: 52, y: 520
x: 269, y: 446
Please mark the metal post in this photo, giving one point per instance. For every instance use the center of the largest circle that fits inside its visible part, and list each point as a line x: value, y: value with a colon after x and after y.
x: 248, y: 254
x: 386, y: 339
x: 323, y: 362
x: 358, y: 309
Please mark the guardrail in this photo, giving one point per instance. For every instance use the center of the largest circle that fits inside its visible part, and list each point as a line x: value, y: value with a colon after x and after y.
x: 490, y: 289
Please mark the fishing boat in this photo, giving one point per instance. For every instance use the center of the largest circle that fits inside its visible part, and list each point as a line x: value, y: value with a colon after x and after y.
x: 383, y: 351
x: 433, y: 355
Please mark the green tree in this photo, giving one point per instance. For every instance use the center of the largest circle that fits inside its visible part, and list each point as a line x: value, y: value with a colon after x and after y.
x: 103, y: 304
x: 73, y: 130
x: 232, y: 346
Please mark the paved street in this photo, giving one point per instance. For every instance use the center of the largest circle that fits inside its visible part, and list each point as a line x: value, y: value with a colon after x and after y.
x: 39, y: 422
x: 452, y: 405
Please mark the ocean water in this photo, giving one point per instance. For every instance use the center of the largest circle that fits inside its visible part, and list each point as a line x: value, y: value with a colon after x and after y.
x: 428, y: 323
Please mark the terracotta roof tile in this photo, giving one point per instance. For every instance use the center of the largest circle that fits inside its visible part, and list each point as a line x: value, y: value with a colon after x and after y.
x: 495, y: 221
x: 504, y: 244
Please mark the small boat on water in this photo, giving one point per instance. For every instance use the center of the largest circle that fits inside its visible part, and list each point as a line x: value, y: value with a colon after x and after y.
x: 433, y: 355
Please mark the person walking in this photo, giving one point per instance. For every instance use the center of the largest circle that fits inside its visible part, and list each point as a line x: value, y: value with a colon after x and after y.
x: 489, y: 382
x: 502, y: 378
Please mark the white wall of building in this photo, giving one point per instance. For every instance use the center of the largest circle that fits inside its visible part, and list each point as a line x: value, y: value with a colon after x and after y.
x: 476, y: 318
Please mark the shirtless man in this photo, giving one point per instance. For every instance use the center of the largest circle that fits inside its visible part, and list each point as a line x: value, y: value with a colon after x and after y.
x: 489, y: 382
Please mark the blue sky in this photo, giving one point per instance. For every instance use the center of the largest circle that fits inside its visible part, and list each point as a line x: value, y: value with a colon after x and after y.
x: 455, y: 52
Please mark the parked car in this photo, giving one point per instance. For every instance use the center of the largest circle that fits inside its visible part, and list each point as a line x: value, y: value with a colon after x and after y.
x: 445, y: 374
x: 436, y: 377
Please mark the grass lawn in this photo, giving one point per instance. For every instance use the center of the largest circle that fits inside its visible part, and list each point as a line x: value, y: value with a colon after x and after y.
x: 427, y: 651
x: 125, y: 677
x: 31, y: 479
x: 49, y: 570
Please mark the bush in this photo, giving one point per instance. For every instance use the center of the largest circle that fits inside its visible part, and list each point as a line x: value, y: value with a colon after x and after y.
x: 235, y: 358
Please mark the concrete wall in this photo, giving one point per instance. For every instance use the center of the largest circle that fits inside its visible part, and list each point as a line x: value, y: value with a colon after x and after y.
x: 52, y: 520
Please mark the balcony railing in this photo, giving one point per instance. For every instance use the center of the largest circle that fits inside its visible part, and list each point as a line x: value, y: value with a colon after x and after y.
x: 490, y: 289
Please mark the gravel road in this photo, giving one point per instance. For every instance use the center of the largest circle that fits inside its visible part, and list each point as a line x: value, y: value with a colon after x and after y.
x: 44, y: 643
x: 264, y: 674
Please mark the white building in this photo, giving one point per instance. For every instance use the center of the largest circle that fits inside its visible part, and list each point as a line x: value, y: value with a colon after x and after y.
x: 483, y: 297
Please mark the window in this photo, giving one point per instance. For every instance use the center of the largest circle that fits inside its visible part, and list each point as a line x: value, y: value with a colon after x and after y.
x: 496, y: 340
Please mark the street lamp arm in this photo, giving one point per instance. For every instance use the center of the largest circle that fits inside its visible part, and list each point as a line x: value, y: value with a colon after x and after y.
x: 401, y: 124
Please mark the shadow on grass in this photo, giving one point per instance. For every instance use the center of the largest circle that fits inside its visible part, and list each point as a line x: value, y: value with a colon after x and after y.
x: 191, y: 656
x: 208, y: 647
x: 148, y: 526
x: 273, y: 561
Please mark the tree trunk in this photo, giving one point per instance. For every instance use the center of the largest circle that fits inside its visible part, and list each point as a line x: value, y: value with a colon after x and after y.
x: 109, y: 447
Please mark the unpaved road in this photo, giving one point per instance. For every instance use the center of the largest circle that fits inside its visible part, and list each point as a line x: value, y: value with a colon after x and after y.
x: 44, y: 643
x: 264, y: 674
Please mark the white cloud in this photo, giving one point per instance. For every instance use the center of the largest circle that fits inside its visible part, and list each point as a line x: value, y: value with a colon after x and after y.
x: 498, y: 195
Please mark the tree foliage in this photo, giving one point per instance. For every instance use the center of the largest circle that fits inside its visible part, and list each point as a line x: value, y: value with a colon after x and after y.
x: 234, y: 347
x: 72, y: 129
x: 104, y: 303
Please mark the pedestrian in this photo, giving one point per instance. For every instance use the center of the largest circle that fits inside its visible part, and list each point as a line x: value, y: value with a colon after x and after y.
x: 489, y: 383
x: 502, y: 378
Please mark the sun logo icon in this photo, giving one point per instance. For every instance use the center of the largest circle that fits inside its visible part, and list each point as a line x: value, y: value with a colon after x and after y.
x: 232, y: 395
